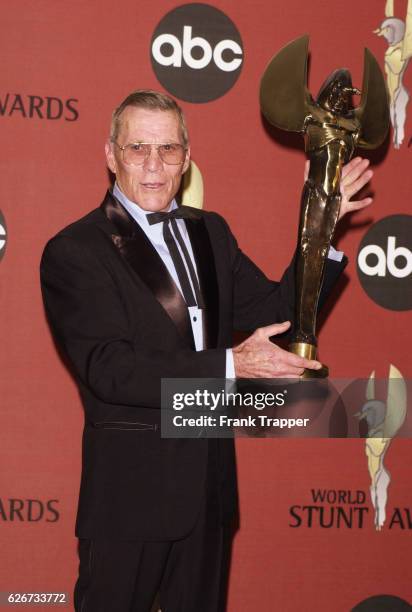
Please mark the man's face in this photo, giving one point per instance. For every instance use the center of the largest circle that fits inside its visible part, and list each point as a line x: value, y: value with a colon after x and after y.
x: 153, y: 184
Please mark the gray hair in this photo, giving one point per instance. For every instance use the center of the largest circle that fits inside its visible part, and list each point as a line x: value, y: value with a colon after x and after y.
x: 151, y: 100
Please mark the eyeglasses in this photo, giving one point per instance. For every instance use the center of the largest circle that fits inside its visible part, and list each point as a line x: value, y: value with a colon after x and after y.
x: 136, y: 153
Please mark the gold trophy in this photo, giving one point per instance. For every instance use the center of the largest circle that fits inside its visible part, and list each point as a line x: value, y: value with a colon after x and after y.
x: 332, y: 129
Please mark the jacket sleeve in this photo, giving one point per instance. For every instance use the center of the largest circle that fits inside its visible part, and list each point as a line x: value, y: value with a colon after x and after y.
x: 258, y: 301
x: 88, y: 319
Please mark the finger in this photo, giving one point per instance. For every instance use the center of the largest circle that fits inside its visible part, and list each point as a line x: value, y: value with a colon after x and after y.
x: 281, y: 368
x: 274, y: 329
x: 312, y: 364
x: 359, y: 204
x: 356, y: 185
x: 306, y: 171
x: 283, y: 374
x: 287, y: 373
x: 295, y: 361
x: 351, y: 166
x: 356, y: 172
x: 309, y: 364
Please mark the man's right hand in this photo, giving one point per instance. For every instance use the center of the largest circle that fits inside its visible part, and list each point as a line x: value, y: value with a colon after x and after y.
x: 258, y: 357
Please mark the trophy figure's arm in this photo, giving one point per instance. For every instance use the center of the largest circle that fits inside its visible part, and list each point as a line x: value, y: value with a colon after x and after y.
x: 328, y: 148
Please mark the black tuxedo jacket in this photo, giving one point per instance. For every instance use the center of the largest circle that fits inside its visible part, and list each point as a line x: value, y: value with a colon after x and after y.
x: 118, y: 316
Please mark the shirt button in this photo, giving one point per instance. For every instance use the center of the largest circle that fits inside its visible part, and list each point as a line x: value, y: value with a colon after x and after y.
x: 194, y: 318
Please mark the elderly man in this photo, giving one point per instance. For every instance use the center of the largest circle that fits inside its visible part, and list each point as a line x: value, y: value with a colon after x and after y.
x: 137, y: 290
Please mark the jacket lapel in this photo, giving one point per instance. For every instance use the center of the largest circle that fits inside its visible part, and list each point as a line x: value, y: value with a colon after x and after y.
x: 136, y: 249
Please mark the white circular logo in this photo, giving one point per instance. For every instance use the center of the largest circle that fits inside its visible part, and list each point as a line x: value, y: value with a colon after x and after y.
x: 385, y: 262
x: 197, y: 52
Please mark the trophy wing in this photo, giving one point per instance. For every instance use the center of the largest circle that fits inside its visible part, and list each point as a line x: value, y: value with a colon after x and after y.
x: 284, y: 97
x: 396, y: 403
x: 373, y: 111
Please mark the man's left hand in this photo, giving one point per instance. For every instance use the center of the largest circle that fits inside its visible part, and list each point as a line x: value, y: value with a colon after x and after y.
x: 355, y: 175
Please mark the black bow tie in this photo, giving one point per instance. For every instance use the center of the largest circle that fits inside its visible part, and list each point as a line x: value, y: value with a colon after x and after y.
x: 169, y: 218
x: 182, y: 212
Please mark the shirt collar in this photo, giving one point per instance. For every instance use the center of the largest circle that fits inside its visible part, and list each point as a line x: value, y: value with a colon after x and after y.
x: 138, y: 213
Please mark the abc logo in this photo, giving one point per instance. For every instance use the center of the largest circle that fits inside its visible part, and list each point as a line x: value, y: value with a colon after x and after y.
x: 184, y: 51
x: 3, y: 236
x: 196, y: 53
x: 385, y: 262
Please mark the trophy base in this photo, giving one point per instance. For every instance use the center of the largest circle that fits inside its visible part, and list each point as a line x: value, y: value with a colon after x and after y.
x: 308, y: 351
